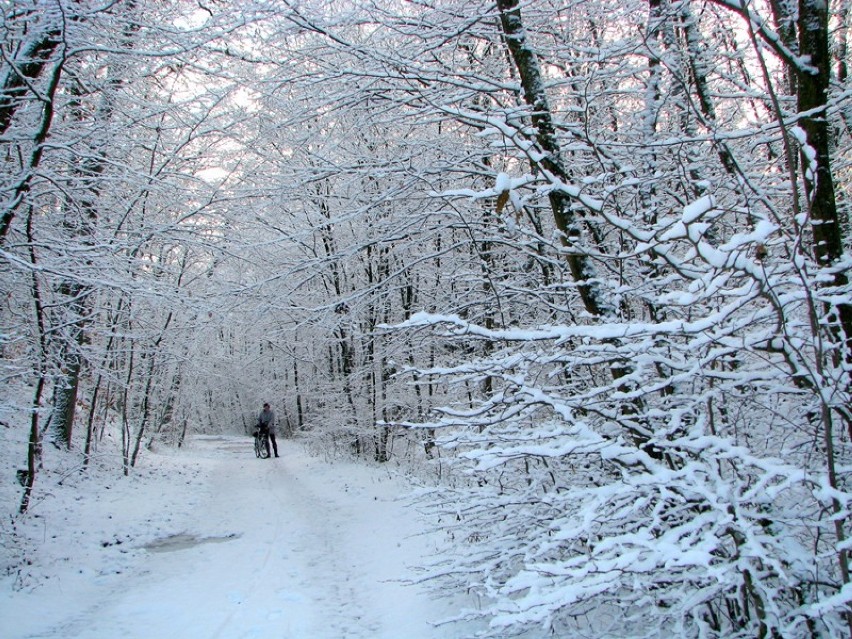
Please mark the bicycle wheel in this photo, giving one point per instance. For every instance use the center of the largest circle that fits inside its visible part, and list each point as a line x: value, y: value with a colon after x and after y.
x: 260, y: 447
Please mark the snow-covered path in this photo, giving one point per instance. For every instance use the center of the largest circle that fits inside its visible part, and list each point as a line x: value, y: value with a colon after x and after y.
x: 236, y: 547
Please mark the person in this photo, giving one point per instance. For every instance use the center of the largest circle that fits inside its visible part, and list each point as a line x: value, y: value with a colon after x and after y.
x: 266, y: 424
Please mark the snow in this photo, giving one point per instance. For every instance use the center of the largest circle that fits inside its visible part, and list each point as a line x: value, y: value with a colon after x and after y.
x: 696, y: 209
x: 212, y: 542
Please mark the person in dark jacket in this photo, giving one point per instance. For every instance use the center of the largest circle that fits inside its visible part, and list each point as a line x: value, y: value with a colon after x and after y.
x: 266, y: 424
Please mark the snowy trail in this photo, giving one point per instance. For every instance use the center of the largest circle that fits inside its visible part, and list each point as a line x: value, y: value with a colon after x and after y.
x: 291, y: 548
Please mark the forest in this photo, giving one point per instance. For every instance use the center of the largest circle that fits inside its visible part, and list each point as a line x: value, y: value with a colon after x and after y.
x: 582, y: 266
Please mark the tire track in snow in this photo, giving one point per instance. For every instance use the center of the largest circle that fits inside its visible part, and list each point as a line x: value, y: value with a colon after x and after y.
x: 304, y: 582
x: 323, y: 571
x: 256, y: 579
x: 309, y: 551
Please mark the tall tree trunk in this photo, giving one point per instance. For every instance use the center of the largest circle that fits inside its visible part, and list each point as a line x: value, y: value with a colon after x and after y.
x: 27, y: 63
x: 300, y: 413
x: 813, y: 93
x: 89, y: 446
x: 813, y: 87
x: 65, y: 398
x: 125, y: 400
x: 27, y: 174
x: 34, y: 444
x: 566, y: 220
x: 535, y: 96
x: 81, y: 216
x: 93, y: 401
x: 145, y: 417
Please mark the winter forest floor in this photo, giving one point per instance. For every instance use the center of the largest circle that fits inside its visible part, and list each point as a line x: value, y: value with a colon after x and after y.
x: 211, y: 542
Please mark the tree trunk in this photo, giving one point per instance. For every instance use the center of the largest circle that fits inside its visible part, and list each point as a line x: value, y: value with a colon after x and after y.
x: 34, y: 445
x: 26, y: 66
x: 551, y: 163
x: 300, y: 416
x: 146, y: 411
x: 569, y: 225
x: 20, y: 190
x: 813, y: 85
x: 65, y: 399
x: 90, y: 423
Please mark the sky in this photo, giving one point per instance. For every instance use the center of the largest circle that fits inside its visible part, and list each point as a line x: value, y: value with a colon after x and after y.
x: 208, y: 541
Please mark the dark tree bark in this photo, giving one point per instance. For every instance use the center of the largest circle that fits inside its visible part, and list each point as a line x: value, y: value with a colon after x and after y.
x: 20, y: 190
x: 813, y: 94
x: 812, y: 101
x: 25, y: 66
x: 532, y: 84
x: 567, y: 219
x: 34, y: 444
x: 81, y: 217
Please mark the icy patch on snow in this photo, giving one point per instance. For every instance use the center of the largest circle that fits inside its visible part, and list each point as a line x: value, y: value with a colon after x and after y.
x: 182, y: 541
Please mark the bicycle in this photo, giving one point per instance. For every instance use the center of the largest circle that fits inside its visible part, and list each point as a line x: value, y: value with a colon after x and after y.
x: 261, y: 444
